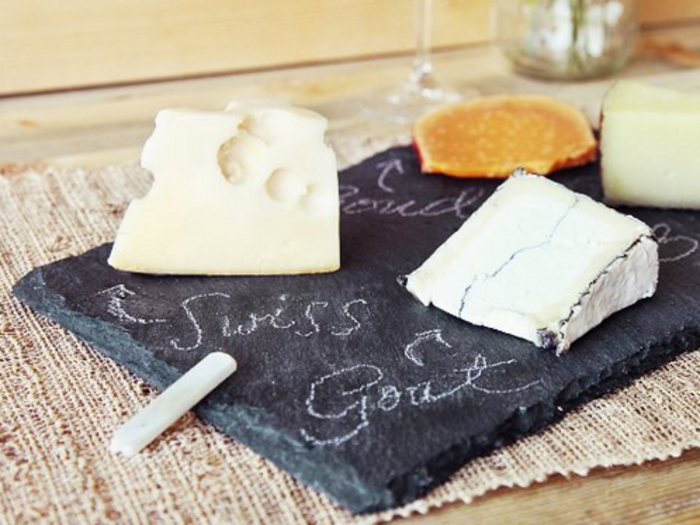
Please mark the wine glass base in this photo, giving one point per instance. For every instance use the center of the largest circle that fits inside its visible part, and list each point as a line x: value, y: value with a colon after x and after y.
x: 404, y: 104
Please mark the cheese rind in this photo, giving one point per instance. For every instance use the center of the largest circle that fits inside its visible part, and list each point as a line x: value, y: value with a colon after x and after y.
x: 540, y: 262
x: 650, y: 138
x: 249, y: 190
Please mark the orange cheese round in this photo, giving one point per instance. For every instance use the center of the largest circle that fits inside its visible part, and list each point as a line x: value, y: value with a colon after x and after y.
x: 491, y: 136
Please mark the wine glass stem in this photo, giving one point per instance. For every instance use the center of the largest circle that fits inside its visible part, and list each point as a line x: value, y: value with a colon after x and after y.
x: 422, y: 75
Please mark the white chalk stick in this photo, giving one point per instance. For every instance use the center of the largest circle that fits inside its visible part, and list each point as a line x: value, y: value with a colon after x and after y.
x: 173, y: 403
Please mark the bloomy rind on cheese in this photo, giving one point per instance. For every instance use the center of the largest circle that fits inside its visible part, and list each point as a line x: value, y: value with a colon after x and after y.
x: 540, y: 262
x: 594, y: 300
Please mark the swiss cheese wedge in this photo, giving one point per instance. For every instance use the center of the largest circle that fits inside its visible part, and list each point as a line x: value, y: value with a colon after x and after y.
x: 492, y: 136
x: 252, y: 190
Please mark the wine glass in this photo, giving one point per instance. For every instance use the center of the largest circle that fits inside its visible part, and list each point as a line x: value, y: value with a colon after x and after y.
x: 421, y: 92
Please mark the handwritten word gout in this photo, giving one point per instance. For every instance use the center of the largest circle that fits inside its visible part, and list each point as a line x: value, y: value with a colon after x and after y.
x: 346, y: 401
x: 216, y: 315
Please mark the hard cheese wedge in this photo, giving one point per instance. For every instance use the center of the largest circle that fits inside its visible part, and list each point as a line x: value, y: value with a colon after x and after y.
x: 540, y: 262
x: 250, y: 190
x: 650, y: 144
x: 491, y: 136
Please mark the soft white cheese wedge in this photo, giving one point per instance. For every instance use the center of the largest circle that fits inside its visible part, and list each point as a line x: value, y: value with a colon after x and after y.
x: 249, y: 190
x: 650, y: 139
x: 540, y: 262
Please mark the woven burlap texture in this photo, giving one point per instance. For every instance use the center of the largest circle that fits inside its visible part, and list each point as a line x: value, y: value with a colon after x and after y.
x: 60, y: 402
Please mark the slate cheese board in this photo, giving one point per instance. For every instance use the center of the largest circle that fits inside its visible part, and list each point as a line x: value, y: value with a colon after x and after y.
x: 345, y: 380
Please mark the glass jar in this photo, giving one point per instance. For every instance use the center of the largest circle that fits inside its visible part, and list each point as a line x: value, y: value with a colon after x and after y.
x: 566, y: 39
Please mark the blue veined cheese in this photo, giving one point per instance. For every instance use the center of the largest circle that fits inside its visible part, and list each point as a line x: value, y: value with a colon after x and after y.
x: 540, y: 262
x: 249, y: 190
x: 650, y: 138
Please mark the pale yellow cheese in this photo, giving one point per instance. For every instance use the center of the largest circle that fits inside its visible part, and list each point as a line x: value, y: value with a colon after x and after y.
x: 249, y: 190
x: 650, y: 147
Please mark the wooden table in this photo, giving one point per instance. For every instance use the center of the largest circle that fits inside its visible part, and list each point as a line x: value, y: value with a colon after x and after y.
x: 102, y: 126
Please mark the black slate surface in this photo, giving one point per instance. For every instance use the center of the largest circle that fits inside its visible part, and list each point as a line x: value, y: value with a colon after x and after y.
x: 344, y: 379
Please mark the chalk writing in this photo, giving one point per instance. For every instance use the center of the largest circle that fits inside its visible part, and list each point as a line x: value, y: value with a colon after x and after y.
x: 255, y: 321
x: 354, y: 322
x: 422, y: 337
x: 389, y: 398
x: 309, y: 315
x: 347, y: 399
x: 116, y: 295
x: 679, y: 246
x: 368, y: 376
x: 199, y: 333
x: 217, y: 315
x: 302, y: 319
x: 385, y: 168
x: 353, y: 202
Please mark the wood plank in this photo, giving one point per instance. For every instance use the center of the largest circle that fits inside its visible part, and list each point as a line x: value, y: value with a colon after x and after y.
x: 653, y: 12
x: 658, y: 492
x: 62, y: 44
x: 82, y: 128
x: 57, y: 44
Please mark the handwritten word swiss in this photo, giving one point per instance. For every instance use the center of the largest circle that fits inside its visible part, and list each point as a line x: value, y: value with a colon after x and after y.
x: 284, y: 317
x: 218, y: 315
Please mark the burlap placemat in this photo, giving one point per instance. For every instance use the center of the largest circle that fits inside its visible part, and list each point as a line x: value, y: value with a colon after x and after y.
x: 60, y: 402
